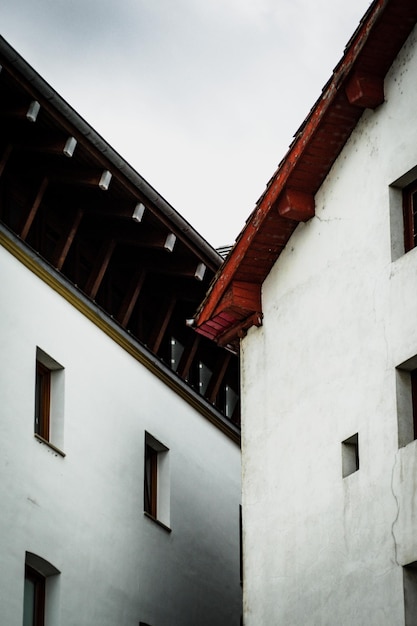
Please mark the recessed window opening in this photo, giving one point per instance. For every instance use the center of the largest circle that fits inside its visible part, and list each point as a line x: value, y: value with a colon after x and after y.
x: 409, y: 195
x: 410, y: 593
x: 151, y: 480
x: 40, y: 591
x: 34, y: 598
x: 406, y: 382
x: 403, y: 213
x: 49, y: 399
x: 42, y: 400
x: 350, y: 455
x: 156, y: 480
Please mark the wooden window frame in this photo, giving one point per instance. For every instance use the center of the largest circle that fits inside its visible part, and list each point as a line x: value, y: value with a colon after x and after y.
x: 39, y: 597
x: 42, y: 400
x: 151, y: 481
x: 413, y: 379
x: 410, y: 216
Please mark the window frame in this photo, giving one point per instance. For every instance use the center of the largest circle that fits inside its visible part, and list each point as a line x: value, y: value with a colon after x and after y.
x: 39, y: 583
x: 150, y: 502
x: 42, y: 400
x: 156, y: 482
x: 409, y: 197
x: 49, y: 402
x: 413, y: 381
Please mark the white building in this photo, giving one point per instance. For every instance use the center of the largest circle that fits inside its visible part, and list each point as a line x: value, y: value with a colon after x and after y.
x: 322, y: 288
x: 119, y: 437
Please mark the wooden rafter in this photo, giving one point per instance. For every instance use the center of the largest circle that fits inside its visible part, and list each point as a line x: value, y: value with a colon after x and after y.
x: 161, y: 325
x: 100, y: 267
x: 67, y: 240
x: 5, y: 157
x: 130, y: 299
x: 218, y: 375
x: 34, y: 208
x: 188, y: 355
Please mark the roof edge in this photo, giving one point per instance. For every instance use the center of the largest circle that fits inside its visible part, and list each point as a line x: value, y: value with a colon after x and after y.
x: 42, y: 88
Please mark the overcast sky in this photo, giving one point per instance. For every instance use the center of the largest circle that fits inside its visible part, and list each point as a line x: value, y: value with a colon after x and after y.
x: 201, y: 97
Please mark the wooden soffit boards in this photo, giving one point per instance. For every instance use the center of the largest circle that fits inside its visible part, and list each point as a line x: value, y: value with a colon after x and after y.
x: 356, y: 84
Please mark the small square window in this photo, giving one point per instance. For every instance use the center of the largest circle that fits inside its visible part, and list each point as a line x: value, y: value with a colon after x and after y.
x: 49, y: 399
x: 350, y: 455
x: 156, y: 500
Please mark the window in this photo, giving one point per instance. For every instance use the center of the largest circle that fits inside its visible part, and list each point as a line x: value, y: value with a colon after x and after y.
x: 177, y: 350
x: 407, y: 401
x: 40, y: 592
x: 49, y: 399
x: 403, y: 213
x: 156, y: 481
x: 151, y: 479
x: 350, y: 455
x: 410, y: 216
x: 231, y: 400
x: 34, y: 598
x: 410, y: 593
x: 204, y: 377
x: 42, y: 400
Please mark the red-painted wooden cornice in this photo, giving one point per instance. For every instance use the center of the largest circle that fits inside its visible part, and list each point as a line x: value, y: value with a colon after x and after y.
x: 356, y: 84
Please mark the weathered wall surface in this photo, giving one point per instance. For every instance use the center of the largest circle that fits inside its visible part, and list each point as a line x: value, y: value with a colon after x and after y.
x: 84, y: 512
x: 340, y: 311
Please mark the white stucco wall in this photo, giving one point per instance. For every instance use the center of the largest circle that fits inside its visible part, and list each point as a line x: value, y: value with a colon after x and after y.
x: 84, y: 512
x: 340, y: 311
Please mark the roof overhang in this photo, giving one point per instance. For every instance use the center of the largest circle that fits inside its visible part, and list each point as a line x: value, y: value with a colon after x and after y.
x: 357, y: 83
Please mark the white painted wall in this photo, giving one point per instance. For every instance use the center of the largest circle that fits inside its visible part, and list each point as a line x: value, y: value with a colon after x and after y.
x: 84, y: 512
x: 339, y: 316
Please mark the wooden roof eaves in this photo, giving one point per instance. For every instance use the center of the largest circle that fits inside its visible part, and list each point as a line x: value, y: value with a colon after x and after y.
x: 76, y: 125
x: 41, y: 268
x: 288, y: 166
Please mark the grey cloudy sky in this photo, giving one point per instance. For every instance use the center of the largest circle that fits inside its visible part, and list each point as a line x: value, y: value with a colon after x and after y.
x: 202, y: 97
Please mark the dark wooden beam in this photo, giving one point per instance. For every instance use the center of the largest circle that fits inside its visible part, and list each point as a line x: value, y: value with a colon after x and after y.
x: 5, y: 157
x: 218, y: 375
x: 188, y: 355
x: 239, y: 330
x: 52, y: 143
x: 161, y: 325
x: 129, y: 232
x: 34, y: 208
x: 67, y: 240
x: 100, y: 267
x: 130, y: 299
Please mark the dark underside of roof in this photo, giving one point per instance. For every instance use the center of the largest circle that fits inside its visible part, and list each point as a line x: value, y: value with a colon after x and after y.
x: 74, y: 201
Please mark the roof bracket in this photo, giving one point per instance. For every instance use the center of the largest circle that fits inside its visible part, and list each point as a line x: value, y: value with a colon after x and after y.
x: 296, y: 205
x: 365, y: 90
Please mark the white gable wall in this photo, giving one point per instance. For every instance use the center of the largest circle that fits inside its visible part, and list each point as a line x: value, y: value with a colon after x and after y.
x: 339, y: 316
x: 84, y: 512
